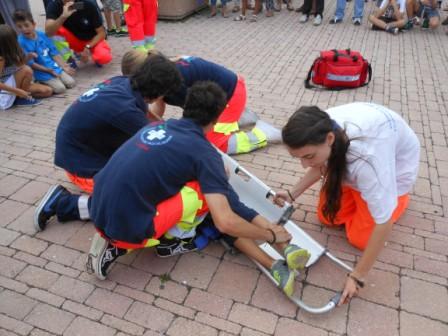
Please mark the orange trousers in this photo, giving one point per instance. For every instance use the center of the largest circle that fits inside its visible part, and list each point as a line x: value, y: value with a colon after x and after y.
x: 169, y: 213
x: 231, y: 114
x: 101, y: 52
x: 85, y: 184
x: 141, y: 18
x: 355, y: 214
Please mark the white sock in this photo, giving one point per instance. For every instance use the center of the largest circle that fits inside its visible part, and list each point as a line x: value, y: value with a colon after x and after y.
x: 273, y: 135
x: 83, y: 207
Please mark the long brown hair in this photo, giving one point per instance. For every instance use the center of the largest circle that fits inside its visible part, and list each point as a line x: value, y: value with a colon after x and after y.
x: 10, y: 50
x: 309, y: 125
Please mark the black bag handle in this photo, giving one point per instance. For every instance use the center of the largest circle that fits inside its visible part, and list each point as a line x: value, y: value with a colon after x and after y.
x: 308, y: 77
x: 369, y: 69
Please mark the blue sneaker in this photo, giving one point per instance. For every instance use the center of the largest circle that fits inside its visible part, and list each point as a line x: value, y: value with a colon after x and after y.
x: 72, y: 63
x: 27, y: 102
x: 46, y: 208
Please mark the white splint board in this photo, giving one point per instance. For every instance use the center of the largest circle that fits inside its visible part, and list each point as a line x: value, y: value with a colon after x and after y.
x: 258, y: 196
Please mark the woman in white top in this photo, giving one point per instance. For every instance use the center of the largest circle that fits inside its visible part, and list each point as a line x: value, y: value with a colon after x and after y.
x: 368, y: 158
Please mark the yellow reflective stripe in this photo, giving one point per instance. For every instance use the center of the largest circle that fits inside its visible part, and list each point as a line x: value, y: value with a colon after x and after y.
x: 191, y: 205
x: 260, y: 135
x: 249, y: 141
x: 125, y: 7
x: 226, y: 128
x: 243, y: 144
x: 152, y: 242
x: 63, y: 47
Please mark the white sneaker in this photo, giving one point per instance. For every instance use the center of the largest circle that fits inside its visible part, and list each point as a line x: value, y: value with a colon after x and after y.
x: 247, y: 118
x: 273, y: 135
x: 317, y: 20
x: 303, y: 18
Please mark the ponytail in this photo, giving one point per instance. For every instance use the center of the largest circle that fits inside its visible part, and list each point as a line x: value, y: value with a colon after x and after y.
x: 309, y: 125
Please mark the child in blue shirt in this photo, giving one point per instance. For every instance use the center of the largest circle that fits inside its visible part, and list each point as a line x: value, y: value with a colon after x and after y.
x: 47, y: 64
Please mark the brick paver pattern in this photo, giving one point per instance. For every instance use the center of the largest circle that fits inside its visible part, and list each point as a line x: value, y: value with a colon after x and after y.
x: 44, y: 289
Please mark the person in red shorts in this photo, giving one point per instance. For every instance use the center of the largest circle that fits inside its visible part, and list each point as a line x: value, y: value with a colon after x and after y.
x: 141, y: 19
x: 226, y: 133
x: 80, y: 23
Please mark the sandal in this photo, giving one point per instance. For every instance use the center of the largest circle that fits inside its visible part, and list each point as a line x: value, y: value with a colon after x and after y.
x: 239, y: 18
x: 235, y: 9
x: 253, y: 18
x: 289, y: 7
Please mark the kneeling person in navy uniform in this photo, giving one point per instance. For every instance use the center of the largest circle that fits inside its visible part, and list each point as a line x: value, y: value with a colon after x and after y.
x: 165, y: 179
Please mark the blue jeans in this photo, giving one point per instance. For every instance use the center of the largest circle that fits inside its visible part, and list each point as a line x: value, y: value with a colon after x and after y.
x: 340, y: 9
x: 213, y: 2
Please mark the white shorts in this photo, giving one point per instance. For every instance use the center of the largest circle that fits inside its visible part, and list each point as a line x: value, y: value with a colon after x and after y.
x: 6, y: 98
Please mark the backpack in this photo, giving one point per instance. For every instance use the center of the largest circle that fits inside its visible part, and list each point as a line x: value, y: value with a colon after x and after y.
x: 339, y: 70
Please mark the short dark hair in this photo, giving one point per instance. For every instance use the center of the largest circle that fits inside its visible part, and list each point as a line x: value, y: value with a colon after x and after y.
x: 156, y: 77
x: 204, y: 103
x: 21, y: 15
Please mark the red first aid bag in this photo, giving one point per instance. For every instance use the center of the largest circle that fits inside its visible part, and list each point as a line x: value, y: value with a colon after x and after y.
x: 339, y: 70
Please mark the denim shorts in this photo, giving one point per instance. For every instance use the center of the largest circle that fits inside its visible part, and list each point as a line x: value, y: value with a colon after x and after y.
x: 112, y: 5
x: 427, y: 12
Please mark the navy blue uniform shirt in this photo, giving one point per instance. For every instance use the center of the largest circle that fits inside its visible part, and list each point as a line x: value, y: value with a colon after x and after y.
x: 82, y: 23
x: 151, y: 167
x: 194, y: 69
x: 96, y: 124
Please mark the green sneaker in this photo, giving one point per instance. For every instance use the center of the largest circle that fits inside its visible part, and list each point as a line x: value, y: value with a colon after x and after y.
x: 121, y: 32
x: 296, y: 257
x: 284, y: 277
x: 140, y: 48
x: 149, y: 46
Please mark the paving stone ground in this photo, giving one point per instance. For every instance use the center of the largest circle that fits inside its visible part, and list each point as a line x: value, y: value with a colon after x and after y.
x: 44, y: 289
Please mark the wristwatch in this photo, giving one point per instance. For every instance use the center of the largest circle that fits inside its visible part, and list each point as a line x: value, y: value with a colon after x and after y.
x: 88, y: 46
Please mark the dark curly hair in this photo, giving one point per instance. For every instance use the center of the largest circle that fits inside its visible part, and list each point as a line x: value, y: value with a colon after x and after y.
x: 309, y: 125
x: 205, y: 102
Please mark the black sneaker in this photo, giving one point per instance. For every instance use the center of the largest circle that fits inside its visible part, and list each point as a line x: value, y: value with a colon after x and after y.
x: 101, y: 255
x: 111, y: 32
x: 171, y: 247
x: 392, y: 30
x: 47, y: 206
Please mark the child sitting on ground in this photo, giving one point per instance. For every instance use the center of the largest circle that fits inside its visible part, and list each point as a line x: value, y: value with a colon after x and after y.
x: 48, y: 66
x: 15, y: 76
x: 389, y: 16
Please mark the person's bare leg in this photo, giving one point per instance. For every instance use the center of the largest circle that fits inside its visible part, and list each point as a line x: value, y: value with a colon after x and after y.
x: 257, y: 8
x: 108, y: 17
x: 253, y: 251
x: 243, y: 7
x: 24, y: 77
x: 40, y: 91
x: 377, y: 22
x: 434, y: 22
x: 117, y: 20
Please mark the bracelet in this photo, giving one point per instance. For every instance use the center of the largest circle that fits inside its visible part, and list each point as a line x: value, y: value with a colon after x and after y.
x: 359, y: 283
x: 290, y: 195
x: 274, y: 237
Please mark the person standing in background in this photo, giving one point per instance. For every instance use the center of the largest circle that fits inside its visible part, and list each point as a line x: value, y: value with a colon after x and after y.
x: 8, y: 7
x: 141, y: 19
